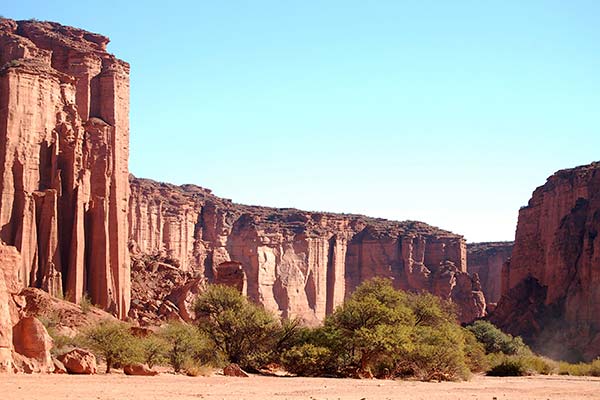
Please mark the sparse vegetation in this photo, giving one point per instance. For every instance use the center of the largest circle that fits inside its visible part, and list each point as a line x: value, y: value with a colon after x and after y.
x: 86, y: 303
x: 244, y: 333
x: 387, y: 333
x: 186, y: 345
x: 580, y: 369
x: 378, y: 332
x: 496, y: 341
x: 112, y: 342
x: 154, y: 350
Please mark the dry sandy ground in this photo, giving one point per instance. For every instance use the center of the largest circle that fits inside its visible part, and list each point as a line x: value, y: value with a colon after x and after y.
x: 167, y: 386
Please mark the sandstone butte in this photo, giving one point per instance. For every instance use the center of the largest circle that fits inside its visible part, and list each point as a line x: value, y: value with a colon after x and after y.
x: 551, y: 285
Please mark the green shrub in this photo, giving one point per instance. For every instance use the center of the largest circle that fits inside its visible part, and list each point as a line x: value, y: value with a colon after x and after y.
x: 113, y: 342
x: 476, y: 359
x: 184, y: 345
x: 85, y: 303
x: 540, y: 365
x: 243, y: 332
x: 438, y: 353
x: 307, y: 360
x: 519, y: 365
x: 62, y: 343
x: 385, y: 332
x: 509, y: 366
x: 154, y: 350
x: 496, y: 341
x: 580, y: 369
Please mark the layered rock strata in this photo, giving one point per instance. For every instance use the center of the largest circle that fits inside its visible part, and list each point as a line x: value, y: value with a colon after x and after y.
x: 550, y: 287
x: 296, y: 263
x: 486, y: 260
x: 64, y: 129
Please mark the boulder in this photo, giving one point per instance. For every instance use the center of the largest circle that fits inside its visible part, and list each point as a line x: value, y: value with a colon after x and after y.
x: 59, y: 367
x: 234, y: 370
x: 24, y: 365
x: 79, y: 361
x: 138, y: 369
x: 31, y: 340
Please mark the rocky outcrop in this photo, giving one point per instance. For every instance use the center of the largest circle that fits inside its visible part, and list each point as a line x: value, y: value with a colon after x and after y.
x: 486, y: 260
x: 161, y: 291
x: 553, y: 276
x: 64, y: 133
x: 296, y: 263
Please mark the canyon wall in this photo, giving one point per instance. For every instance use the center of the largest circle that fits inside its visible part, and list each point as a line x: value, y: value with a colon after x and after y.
x: 296, y: 263
x: 64, y: 136
x: 551, y: 286
x: 486, y: 260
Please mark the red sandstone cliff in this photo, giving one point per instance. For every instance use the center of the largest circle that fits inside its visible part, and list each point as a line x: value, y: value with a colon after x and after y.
x: 64, y: 136
x: 486, y: 260
x: 296, y: 263
x: 550, y: 288
x: 66, y: 212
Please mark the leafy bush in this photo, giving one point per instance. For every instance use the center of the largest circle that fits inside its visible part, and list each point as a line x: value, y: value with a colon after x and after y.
x: 113, y: 342
x: 185, y: 344
x: 509, y: 366
x: 243, y: 332
x: 580, y: 369
x: 62, y: 343
x: 476, y: 359
x: 374, y: 324
x: 540, y: 365
x: 307, y: 360
x: 438, y: 353
x: 519, y: 365
x: 496, y: 341
x: 383, y: 332
x: 154, y: 350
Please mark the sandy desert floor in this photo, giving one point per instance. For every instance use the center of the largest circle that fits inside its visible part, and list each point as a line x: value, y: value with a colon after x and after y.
x: 167, y: 386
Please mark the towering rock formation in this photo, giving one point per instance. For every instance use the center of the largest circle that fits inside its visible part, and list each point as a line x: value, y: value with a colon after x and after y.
x: 551, y: 286
x: 486, y: 260
x: 64, y: 134
x: 294, y: 262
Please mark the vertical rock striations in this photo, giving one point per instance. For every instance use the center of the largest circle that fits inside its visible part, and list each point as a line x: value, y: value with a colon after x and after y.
x: 550, y: 287
x: 294, y: 262
x: 486, y: 260
x: 64, y: 105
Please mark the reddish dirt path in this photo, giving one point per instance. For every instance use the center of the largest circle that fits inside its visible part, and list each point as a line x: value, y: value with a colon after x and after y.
x: 167, y: 386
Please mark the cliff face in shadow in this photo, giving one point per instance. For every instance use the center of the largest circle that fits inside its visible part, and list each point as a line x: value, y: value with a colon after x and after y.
x: 297, y: 263
x: 486, y: 259
x: 551, y: 286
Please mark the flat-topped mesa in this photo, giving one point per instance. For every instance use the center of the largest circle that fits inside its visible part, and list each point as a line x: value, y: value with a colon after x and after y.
x: 297, y: 263
x: 64, y: 138
x: 486, y: 259
x: 550, y: 286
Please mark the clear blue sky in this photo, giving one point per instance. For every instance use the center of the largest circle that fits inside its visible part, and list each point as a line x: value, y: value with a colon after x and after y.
x: 449, y: 112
